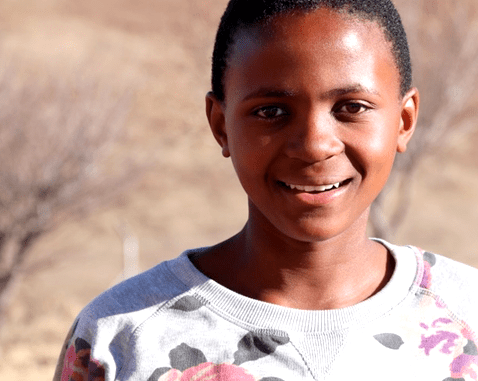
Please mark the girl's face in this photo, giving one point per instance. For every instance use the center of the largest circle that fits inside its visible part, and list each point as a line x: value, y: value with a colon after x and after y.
x: 312, y: 120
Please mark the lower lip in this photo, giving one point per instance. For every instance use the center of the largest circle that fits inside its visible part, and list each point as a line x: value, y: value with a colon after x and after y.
x: 320, y: 198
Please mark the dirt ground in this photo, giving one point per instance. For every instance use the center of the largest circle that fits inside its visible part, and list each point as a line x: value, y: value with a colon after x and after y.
x: 189, y: 196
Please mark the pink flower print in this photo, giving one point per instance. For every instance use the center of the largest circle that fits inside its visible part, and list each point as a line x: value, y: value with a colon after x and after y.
x: 461, y: 344
x: 78, y: 364
x: 209, y: 371
x: 427, y: 276
x: 68, y: 365
x: 216, y: 372
x: 467, y: 362
x: 430, y: 342
x: 464, y: 364
x: 171, y: 375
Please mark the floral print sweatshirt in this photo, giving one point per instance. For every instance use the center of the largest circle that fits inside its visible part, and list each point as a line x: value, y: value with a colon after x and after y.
x: 172, y: 323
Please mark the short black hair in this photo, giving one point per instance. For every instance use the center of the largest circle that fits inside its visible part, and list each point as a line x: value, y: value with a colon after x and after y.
x: 243, y: 14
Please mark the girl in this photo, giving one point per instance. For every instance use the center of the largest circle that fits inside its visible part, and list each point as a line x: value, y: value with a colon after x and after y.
x: 311, y: 100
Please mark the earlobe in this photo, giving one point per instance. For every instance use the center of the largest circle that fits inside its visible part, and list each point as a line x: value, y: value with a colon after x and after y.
x: 215, y: 116
x: 408, y: 121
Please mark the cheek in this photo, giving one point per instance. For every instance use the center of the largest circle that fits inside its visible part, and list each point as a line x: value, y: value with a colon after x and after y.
x: 250, y: 151
x: 374, y: 150
x: 382, y: 148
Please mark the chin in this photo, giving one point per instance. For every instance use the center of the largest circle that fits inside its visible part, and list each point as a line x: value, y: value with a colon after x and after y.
x: 313, y: 234
x: 312, y: 231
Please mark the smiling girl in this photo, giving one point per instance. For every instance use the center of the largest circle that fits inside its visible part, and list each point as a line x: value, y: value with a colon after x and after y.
x: 311, y: 100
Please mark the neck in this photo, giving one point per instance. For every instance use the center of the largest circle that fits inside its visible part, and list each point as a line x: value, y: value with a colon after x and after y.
x: 334, y: 273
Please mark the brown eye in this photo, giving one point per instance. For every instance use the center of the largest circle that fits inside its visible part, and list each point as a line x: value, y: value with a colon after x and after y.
x: 270, y: 112
x: 352, y: 108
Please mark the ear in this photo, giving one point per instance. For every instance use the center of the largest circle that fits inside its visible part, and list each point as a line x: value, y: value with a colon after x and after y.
x: 408, y: 121
x: 216, y: 118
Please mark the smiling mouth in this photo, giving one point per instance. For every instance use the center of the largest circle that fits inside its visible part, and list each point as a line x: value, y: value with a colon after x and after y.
x: 314, y: 188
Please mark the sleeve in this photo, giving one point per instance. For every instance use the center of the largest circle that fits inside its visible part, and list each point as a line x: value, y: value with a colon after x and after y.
x: 75, y: 362
x: 62, y: 360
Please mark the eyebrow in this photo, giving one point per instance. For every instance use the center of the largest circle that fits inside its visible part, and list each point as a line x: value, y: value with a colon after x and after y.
x: 269, y: 92
x: 355, y: 88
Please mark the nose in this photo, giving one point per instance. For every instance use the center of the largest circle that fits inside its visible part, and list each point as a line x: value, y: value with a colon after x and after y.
x: 313, y: 138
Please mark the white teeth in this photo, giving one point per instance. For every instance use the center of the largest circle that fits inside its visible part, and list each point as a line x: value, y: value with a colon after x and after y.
x: 309, y: 188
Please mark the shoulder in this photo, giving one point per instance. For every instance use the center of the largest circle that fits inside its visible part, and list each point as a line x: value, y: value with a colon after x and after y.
x: 115, y: 314
x: 450, y: 283
x: 455, y: 284
x: 103, y: 330
x: 148, y: 290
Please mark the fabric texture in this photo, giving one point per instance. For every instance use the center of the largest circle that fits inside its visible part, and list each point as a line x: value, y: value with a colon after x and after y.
x: 174, y: 323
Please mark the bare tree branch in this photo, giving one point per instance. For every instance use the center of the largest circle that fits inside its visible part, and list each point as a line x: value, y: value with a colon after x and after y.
x: 54, y: 138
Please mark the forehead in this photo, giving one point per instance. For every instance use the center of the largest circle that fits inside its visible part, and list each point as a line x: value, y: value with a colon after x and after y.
x: 323, y: 43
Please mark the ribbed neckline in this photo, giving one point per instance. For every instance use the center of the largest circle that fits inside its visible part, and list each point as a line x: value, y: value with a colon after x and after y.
x: 261, y: 315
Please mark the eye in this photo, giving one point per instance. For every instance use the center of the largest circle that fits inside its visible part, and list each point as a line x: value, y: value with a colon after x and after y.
x: 352, y: 108
x: 269, y: 112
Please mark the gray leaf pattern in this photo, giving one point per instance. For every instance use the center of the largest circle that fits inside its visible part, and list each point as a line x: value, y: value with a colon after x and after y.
x: 254, y: 346
x: 183, y: 357
x: 430, y: 258
x: 187, y: 304
x: 389, y: 340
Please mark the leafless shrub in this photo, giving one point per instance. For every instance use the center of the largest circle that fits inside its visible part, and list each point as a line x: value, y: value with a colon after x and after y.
x: 443, y: 36
x: 54, y: 137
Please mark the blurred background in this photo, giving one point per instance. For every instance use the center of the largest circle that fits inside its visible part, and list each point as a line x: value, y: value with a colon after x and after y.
x: 107, y: 166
